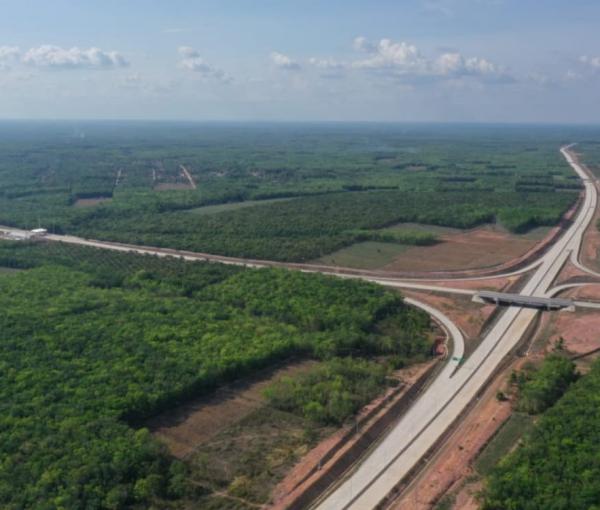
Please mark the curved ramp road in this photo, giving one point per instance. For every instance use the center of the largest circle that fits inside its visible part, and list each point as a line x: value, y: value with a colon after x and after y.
x: 458, y: 341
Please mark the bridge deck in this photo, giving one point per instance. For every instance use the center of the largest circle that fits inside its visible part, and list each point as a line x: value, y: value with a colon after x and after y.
x: 527, y: 301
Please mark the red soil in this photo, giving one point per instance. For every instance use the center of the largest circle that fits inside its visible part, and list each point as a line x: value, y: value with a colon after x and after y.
x: 569, y: 272
x: 478, y: 248
x: 466, y: 314
x: 587, y: 292
x: 451, y: 465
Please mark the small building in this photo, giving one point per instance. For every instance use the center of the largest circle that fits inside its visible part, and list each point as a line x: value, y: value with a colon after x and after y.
x: 39, y: 232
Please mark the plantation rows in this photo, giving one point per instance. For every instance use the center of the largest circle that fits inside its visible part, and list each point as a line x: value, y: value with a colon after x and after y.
x: 459, y: 177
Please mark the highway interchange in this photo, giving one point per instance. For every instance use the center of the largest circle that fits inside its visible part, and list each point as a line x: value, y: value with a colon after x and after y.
x: 445, y: 399
x: 455, y: 386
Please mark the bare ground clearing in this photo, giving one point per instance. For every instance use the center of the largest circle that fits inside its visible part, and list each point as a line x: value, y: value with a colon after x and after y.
x: 166, y: 186
x: 571, y: 273
x: 478, y: 248
x: 91, y: 202
x: 185, y: 428
x: 580, y: 330
x: 588, y: 292
x: 469, y: 316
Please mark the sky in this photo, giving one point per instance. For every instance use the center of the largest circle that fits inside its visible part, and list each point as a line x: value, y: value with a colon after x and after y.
x: 302, y: 60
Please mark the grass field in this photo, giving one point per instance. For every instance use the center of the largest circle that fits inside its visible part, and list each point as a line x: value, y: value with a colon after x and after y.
x: 511, y: 432
x: 367, y: 255
x: 481, y: 247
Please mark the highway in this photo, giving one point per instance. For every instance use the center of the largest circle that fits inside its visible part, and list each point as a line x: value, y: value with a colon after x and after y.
x: 456, y: 385
x: 444, y: 400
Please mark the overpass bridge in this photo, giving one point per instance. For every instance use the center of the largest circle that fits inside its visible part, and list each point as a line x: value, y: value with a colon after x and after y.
x: 507, y: 299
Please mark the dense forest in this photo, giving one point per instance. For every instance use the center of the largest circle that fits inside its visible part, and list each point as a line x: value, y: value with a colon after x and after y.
x: 337, y: 178
x: 93, y: 342
x: 558, y: 465
x: 540, y: 388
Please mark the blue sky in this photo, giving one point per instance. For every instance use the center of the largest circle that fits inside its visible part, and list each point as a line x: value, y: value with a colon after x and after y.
x: 376, y: 60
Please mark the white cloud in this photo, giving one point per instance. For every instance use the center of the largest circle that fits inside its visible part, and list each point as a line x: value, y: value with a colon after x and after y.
x: 402, y: 57
x: 455, y: 64
x: 404, y: 60
x: 361, y: 43
x: 9, y: 52
x: 591, y: 62
x: 284, y: 62
x: 8, y: 55
x: 191, y: 60
x: 55, y: 57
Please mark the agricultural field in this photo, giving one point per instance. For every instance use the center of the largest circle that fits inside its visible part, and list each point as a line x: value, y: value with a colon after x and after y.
x: 440, y: 249
x: 140, y: 183
x: 93, y: 344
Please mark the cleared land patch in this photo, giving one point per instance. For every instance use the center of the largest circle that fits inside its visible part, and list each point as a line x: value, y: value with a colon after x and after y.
x: 91, y: 202
x: 185, y: 428
x: 365, y: 255
x: 481, y: 247
x: 246, y: 460
x: 477, y: 248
